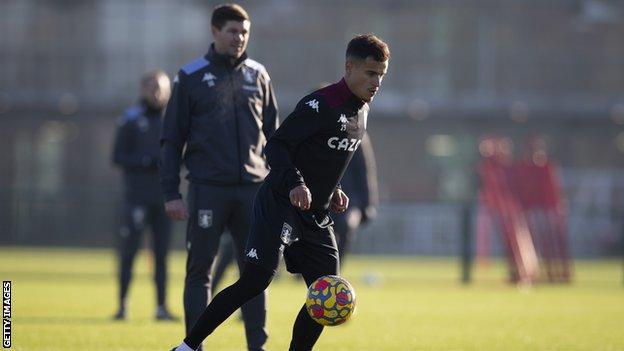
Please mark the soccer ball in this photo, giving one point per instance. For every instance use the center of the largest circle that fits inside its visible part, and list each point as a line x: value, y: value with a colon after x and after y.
x: 331, y: 300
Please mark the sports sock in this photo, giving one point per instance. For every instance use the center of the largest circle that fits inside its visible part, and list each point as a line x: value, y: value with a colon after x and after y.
x: 305, y: 332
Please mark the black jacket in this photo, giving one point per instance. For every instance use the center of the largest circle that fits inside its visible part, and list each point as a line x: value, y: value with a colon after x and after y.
x: 136, y: 150
x: 223, y: 113
x: 316, y: 142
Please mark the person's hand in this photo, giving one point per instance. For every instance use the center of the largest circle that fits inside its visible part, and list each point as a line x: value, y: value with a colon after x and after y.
x: 176, y: 209
x: 339, y: 201
x: 370, y: 212
x: 300, y: 197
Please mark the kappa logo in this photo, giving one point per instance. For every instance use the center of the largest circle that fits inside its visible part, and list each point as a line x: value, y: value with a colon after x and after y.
x: 209, y: 78
x: 253, y: 254
x: 343, y: 120
x: 204, y: 218
x: 314, y: 104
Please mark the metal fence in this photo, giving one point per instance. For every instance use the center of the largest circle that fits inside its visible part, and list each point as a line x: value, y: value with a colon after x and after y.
x: 461, y: 55
x: 435, y: 229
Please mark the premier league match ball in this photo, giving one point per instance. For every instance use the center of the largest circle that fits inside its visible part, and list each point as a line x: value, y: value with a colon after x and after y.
x: 331, y: 300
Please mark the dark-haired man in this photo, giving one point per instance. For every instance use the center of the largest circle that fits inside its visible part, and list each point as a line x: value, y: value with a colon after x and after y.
x: 223, y: 110
x: 308, y: 155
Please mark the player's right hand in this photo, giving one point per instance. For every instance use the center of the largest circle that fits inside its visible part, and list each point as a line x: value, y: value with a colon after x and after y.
x: 176, y: 209
x: 300, y: 197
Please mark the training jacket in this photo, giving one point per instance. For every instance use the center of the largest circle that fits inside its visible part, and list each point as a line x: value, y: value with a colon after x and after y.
x: 315, y: 143
x: 220, y: 115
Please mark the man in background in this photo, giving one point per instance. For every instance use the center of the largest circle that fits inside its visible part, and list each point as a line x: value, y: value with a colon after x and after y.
x: 136, y: 152
x: 360, y: 183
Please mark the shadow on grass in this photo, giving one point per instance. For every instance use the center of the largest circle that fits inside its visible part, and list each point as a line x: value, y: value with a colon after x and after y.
x: 80, y: 321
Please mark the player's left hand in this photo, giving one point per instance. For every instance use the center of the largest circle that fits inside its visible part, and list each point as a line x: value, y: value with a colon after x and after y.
x: 339, y: 201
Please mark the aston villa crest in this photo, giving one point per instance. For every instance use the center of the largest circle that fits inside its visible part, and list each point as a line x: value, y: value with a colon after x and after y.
x: 287, y: 234
x: 204, y: 218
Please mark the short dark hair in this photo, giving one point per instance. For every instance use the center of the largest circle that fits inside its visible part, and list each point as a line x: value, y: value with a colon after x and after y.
x: 228, y: 12
x: 365, y: 45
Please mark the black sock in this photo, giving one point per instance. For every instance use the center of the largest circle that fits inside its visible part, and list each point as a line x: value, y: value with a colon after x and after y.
x: 253, y: 281
x: 305, y: 332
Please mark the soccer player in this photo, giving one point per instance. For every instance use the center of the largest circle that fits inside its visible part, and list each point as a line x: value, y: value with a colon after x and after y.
x: 308, y: 155
x: 222, y: 111
x: 136, y: 151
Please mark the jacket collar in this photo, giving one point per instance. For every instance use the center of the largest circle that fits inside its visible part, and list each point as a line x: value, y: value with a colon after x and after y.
x: 214, y: 57
x: 343, y: 89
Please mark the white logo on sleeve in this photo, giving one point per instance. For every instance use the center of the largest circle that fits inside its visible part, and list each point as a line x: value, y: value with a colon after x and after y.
x: 314, y: 104
x: 253, y: 254
x: 343, y: 122
x: 209, y: 78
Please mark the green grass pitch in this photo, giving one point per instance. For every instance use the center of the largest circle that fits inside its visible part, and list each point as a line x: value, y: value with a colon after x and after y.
x: 63, y: 299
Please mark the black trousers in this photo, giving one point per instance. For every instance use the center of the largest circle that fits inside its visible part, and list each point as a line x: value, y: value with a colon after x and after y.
x: 138, y: 215
x: 212, y: 209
